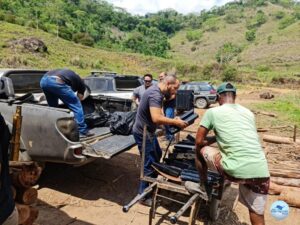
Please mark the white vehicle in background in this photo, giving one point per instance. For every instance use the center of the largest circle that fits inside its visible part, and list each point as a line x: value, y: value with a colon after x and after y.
x: 113, y: 91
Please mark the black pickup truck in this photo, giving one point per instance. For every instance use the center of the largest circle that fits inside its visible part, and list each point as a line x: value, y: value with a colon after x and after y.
x: 48, y: 133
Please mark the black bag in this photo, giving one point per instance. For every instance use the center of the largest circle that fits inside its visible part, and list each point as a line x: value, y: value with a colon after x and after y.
x: 96, y: 119
x: 122, y: 122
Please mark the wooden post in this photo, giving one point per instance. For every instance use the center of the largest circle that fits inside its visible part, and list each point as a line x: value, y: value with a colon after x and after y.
x: 16, y: 134
x: 295, y: 133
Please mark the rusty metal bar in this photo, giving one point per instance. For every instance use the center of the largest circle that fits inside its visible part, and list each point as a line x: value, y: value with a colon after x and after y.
x: 138, y: 197
x: 16, y: 134
x: 190, y: 202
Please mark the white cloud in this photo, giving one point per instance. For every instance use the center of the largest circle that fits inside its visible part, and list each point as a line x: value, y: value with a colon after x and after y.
x: 141, y: 7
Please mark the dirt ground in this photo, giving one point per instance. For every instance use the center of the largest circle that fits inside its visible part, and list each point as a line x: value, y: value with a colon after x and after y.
x: 96, y: 192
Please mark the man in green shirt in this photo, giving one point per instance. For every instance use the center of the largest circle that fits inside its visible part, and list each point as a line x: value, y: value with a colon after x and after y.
x: 240, y: 157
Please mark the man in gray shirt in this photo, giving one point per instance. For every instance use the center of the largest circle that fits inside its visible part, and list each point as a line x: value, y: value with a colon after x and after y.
x: 150, y: 114
x: 139, y: 91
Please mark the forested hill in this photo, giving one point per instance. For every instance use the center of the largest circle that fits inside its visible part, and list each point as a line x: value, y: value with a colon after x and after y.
x: 255, y: 37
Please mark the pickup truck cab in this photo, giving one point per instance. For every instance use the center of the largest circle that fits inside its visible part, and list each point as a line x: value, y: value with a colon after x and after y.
x: 48, y: 133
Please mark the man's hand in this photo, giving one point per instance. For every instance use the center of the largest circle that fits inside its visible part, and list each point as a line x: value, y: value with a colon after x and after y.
x: 80, y: 96
x: 181, y: 123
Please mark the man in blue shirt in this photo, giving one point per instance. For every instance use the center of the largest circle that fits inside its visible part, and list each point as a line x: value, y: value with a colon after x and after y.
x: 62, y: 84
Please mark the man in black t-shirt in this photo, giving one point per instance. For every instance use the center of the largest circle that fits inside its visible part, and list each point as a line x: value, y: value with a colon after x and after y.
x: 61, y: 84
x: 149, y: 114
x: 8, y: 212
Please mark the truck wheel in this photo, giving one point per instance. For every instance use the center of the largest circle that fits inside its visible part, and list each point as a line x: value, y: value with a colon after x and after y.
x: 214, y: 209
x: 201, y: 103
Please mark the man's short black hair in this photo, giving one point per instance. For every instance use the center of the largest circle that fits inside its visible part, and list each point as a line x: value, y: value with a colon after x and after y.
x: 148, y: 75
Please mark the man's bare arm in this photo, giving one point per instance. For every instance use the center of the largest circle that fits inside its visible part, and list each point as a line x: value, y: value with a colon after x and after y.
x: 159, y: 118
x: 202, y: 139
x: 135, y: 100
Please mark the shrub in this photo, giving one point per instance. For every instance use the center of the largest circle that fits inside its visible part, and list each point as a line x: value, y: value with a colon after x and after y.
x: 98, y: 64
x: 211, y: 24
x: 212, y: 71
x: 77, y: 61
x: 193, y: 48
x: 9, y: 18
x: 261, y: 18
x: 2, y: 15
x: 232, y: 18
x: 250, y: 35
x: 269, y: 39
x: 83, y: 38
x: 258, y: 20
x: 279, y: 15
x: 20, y: 21
x: 193, y: 35
x: 286, y: 21
x: 65, y: 33
x: 229, y: 74
x: 227, y: 52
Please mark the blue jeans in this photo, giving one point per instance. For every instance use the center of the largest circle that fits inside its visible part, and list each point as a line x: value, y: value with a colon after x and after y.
x: 54, y: 90
x: 153, y: 153
x: 170, y: 113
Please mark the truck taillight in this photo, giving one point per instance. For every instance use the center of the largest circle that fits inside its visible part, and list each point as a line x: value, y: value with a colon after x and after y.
x: 77, y: 151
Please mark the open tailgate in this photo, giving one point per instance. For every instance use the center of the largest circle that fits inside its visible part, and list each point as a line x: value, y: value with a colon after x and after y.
x: 105, y: 144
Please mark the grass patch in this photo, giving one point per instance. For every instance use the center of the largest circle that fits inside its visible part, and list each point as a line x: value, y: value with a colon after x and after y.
x: 287, y: 107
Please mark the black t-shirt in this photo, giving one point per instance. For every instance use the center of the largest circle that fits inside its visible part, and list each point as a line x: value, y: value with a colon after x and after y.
x: 7, y: 203
x: 70, y: 78
x: 151, y: 98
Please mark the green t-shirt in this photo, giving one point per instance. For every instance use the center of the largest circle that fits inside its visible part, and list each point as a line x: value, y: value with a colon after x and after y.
x: 235, y: 130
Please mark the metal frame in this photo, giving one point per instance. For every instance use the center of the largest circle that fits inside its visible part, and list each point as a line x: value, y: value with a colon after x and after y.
x: 157, y: 184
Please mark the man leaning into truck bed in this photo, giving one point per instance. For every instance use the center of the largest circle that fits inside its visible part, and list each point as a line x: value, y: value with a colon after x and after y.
x: 62, y: 84
x: 240, y: 158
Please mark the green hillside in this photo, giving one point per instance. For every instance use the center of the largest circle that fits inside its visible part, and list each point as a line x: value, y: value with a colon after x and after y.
x: 62, y: 53
x: 275, y: 52
x: 246, y: 41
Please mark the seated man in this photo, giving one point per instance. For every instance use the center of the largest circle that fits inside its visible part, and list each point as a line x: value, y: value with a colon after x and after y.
x: 241, y: 158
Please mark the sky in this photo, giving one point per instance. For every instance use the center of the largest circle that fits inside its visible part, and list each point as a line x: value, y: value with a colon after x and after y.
x: 141, y: 7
